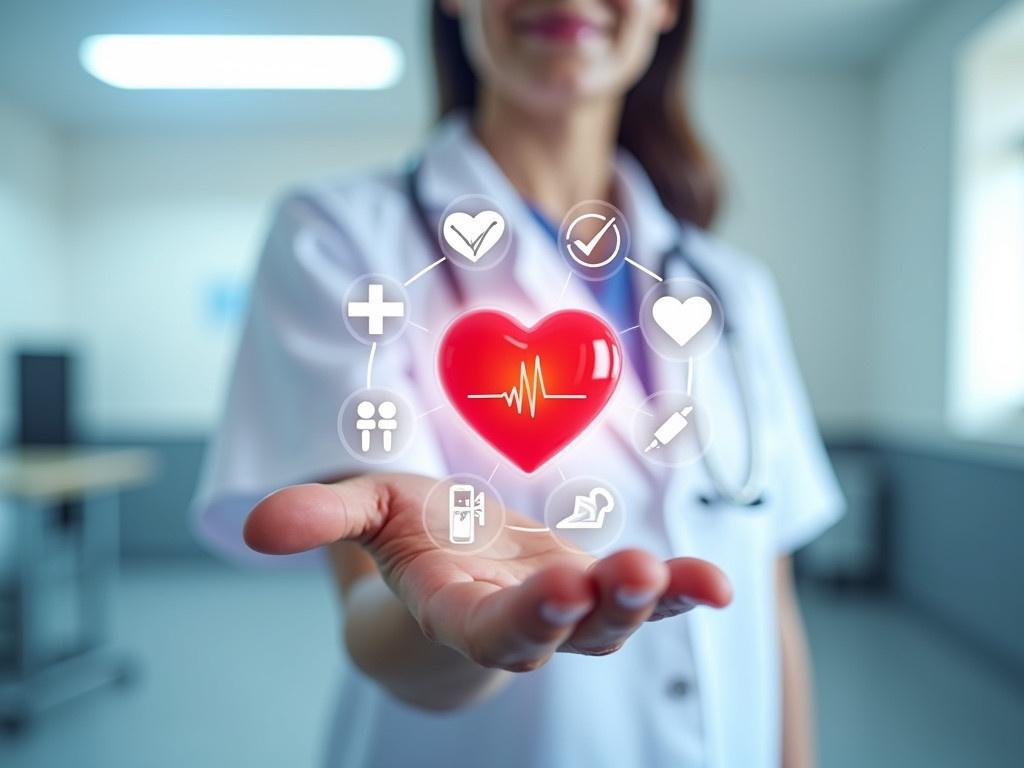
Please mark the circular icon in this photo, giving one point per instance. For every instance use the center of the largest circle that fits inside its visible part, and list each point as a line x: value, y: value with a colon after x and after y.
x: 376, y: 425
x: 595, y: 238
x: 463, y: 514
x: 474, y: 233
x: 585, y: 514
x: 681, y: 319
x: 376, y: 309
x: 669, y: 428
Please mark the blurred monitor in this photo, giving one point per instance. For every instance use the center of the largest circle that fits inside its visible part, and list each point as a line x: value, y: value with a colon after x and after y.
x: 44, y: 398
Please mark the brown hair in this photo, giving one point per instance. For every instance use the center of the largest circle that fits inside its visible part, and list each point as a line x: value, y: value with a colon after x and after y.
x: 655, y: 126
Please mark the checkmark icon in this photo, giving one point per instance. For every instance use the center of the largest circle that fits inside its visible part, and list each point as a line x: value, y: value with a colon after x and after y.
x: 473, y: 236
x: 589, y: 246
x: 474, y: 245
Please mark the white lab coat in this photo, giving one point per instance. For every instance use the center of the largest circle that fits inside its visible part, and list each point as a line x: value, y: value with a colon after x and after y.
x: 702, y: 689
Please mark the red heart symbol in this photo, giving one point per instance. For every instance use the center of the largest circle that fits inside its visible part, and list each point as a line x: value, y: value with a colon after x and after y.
x: 529, y: 391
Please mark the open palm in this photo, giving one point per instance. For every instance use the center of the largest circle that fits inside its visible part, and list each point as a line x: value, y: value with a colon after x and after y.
x: 510, y: 605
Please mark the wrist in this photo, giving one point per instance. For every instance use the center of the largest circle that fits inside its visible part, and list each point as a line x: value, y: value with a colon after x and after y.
x: 386, y: 644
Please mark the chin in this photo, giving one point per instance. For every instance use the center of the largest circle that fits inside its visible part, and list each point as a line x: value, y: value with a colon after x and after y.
x: 556, y: 89
x: 549, y: 101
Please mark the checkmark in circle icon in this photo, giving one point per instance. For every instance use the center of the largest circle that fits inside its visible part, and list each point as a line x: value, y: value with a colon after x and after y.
x: 594, y: 240
x: 601, y: 237
x: 589, y: 246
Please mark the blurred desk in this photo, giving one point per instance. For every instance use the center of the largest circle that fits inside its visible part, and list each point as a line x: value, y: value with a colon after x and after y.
x: 65, y: 521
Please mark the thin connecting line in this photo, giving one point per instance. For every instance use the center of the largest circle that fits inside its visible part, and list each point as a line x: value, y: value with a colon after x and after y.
x: 432, y: 410
x: 491, y: 476
x: 643, y: 269
x: 631, y: 328
x: 561, y: 474
x: 527, y: 530
x: 419, y: 327
x: 565, y: 286
x: 689, y: 377
x: 369, y: 365
x: 422, y: 272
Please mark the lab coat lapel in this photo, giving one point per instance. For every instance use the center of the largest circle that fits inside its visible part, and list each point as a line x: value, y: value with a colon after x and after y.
x: 456, y: 165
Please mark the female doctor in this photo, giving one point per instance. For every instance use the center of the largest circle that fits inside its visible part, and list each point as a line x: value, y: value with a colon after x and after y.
x: 491, y: 659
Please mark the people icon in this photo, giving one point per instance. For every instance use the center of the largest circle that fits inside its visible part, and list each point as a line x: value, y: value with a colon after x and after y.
x: 387, y: 423
x: 365, y: 423
x: 376, y: 425
x: 376, y: 418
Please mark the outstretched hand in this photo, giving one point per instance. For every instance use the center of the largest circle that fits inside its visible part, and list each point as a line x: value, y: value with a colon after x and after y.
x: 510, y: 606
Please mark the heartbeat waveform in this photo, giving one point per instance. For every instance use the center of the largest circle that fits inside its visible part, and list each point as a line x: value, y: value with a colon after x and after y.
x: 529, y: 389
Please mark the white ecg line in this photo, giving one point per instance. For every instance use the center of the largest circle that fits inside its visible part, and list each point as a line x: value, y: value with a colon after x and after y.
x: 529, y: 388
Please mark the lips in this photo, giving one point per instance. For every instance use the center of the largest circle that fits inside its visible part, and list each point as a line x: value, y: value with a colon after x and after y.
x: 561, y: 27
x: 529, y: 392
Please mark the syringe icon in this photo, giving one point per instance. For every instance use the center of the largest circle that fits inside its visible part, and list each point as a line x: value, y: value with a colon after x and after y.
x: 670, y: 428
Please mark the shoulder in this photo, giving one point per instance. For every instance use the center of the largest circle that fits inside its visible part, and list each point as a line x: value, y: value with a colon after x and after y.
x: 342, y: 216
x: 350, y: 201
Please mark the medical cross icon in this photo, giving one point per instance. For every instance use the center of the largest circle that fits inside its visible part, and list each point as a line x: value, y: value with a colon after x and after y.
x: 375, y: 309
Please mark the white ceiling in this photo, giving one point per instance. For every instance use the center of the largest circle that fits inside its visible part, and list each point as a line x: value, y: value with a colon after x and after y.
x: 39, y: 43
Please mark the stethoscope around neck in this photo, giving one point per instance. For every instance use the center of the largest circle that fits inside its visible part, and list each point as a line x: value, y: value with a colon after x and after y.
x: 749, y: 491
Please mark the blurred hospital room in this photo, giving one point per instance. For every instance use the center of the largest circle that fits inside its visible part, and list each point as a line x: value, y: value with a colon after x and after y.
x: 871, y: 154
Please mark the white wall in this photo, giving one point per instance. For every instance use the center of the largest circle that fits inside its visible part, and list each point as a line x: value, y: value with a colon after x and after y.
x: 159, y: 222
x: 796, y: 147
x: 32, y: 275
x: 916, y: 123
x: 987, y: 278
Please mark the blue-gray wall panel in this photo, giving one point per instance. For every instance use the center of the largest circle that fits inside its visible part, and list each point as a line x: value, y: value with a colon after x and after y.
x: 956, y: 531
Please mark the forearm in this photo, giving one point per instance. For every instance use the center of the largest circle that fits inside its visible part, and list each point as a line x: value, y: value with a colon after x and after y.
x: 797, y: 696
x: 387, y: 644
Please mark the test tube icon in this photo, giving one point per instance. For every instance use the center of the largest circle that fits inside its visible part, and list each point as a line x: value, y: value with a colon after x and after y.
x: 670, y: 428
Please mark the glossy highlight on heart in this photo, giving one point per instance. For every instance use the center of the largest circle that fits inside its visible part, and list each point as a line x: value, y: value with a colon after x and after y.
x: 529, y: 392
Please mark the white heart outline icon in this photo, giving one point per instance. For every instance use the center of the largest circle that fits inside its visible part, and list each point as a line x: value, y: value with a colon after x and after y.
x: 473, y: 236
x: 682, y: 320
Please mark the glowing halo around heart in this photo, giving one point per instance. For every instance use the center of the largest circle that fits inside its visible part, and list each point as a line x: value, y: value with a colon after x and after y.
x: 529, y: 392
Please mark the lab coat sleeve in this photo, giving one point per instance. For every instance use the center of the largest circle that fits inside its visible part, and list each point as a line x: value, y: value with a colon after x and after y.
x: 806, y: 496
x: 296, y: 363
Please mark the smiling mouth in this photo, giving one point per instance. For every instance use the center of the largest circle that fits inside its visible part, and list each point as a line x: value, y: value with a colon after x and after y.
x: 561, y: 27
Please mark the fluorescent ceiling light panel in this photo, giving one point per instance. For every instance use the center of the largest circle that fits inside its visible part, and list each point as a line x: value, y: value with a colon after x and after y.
x: 245, y: 62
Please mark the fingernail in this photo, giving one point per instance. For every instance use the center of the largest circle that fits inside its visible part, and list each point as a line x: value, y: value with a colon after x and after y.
x: 672, y: 606
x: 562, y: 615
x: 679, y: 604
x: 634, y: 598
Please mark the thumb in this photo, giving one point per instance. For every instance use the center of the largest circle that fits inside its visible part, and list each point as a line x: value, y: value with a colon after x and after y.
x: 303, y: 517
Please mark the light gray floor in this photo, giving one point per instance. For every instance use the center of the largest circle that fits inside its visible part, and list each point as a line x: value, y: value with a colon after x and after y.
x: 239, y: 665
